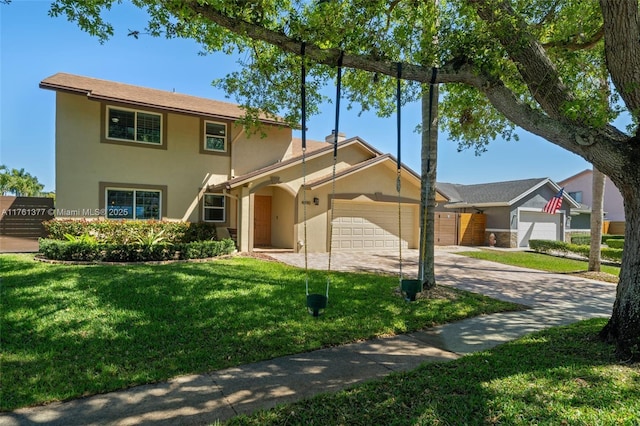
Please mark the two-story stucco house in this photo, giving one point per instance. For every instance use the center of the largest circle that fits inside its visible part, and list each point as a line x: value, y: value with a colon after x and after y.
x: 580, y: 187
x: 126, y: 152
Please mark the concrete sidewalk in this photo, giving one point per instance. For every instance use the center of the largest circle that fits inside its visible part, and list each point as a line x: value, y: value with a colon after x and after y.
x: 202, y: 399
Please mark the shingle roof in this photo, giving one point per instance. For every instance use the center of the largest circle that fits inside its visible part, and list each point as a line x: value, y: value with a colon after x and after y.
x: 325, y: 149
x: 112, y: 91
x: 490, y: 193
x: 312, y: 145
x: 357, y: 167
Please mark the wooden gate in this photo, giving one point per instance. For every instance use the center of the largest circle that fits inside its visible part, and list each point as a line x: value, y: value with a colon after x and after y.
x: 21, y: 222
x: 471, y: 230
x: 446, y: 229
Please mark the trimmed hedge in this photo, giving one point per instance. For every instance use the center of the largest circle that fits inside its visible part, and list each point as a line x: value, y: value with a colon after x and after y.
x: 109, y: 252
x: 586, y: 239
x: 127, y: 231
x: 619, y: 244
x: 606, y: 237
x: 581, y: 239
x: 548, y: 246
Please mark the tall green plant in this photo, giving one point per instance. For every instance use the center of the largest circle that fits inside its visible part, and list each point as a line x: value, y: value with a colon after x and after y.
x: 150, y: 238
x: 85, y: 238
x: 19, y: 183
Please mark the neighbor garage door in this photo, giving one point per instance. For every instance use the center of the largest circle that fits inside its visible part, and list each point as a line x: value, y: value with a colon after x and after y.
x: 371, y: 226
x: 535, y: 225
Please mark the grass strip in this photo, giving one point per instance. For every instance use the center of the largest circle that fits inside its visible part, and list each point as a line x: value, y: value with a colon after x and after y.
x: 75, y: 330
x: 539, y: 261
x: 560, y: 376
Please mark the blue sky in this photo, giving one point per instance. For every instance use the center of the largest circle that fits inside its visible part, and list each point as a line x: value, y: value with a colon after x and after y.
x: 34, y: 46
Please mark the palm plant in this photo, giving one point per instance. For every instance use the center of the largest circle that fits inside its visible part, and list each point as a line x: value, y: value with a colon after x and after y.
x: 5, y: 180
x: 19, y: 182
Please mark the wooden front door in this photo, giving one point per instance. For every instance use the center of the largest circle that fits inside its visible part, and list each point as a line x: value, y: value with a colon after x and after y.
x: 262, y: 221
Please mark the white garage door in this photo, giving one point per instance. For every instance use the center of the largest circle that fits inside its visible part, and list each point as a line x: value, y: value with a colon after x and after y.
x: 537, y: 226
x: 371, y: 226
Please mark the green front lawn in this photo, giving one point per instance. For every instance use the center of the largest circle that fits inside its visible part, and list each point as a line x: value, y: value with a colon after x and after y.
x: 560, y: 376
x: 543, y: 262
x: 69, y: 331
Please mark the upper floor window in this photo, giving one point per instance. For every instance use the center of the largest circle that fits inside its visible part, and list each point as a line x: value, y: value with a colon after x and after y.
x: 576, y: 196
x: 215, y: 136
x: 124, y: 203
x: 214, y: 208
x: 133, y: 125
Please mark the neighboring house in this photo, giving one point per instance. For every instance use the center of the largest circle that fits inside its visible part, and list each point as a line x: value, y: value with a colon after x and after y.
x: 512, y: 209
x: 580, y: 186
x: 128, y: 152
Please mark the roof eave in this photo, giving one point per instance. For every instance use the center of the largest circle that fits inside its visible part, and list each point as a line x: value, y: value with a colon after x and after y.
x: 179, y: 110
x: 269, y: 170
x: 476, y: 205
x: 88, y: 93
x: 380, y: 159
x: 534, y: 188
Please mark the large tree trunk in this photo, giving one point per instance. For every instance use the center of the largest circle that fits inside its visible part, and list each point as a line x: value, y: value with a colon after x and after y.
x: 428, y: 184
x: 597, y: 205
x: 623, y: 327
x: 608, y: 148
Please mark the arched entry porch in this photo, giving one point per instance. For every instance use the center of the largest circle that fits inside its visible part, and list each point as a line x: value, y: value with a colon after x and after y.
x: 273, y: 217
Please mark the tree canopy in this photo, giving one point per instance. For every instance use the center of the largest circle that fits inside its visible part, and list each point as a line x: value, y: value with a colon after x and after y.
x: 19, y: 183
x: 484, y: 48
x: 560, y: 69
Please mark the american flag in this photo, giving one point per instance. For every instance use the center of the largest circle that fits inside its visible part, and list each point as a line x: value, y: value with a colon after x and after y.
x: 554, y: 204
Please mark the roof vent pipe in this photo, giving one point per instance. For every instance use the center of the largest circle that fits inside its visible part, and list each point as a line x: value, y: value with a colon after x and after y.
x: 330, y: 138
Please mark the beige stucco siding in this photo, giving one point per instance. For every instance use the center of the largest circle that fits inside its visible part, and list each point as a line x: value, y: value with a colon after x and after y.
x: 83, y: 161
x: 321, y: 167
x: 76, y: 160
x: 379, y: 178
x: 283, y: 209
x: 255, y: 151
x: 316, y: 232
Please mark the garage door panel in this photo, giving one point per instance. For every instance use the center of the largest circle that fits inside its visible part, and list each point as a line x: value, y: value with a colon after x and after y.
x: 370, y: 226
x: 342, y: 244
x: 537, y: 226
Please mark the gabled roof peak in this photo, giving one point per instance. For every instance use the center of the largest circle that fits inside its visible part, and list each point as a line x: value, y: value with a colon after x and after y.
x: 494, y: 193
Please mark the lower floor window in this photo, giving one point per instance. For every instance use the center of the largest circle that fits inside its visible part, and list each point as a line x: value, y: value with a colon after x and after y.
x: 214, y: 208
x: 133, y: 204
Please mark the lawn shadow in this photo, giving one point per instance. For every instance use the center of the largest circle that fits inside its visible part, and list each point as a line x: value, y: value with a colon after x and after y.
x: 544, y: 378
x: 100, y: 328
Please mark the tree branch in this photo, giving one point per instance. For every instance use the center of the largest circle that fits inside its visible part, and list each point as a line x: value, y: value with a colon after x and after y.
x: 537, y: 70
x: 622, y: 49
x: 560, y: 132
x: 551, y: 14
x: 576, y: 43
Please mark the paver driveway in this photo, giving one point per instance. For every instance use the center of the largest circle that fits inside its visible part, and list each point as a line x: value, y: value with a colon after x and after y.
x: 554, y: 299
